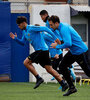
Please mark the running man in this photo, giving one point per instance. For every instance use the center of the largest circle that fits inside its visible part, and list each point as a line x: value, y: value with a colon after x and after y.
x: 41, y: 54
x: 78, y: 50
x: 45, y: 16
x: 55, y: 55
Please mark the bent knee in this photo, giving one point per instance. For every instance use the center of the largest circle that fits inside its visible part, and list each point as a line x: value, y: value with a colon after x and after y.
x: 49, y: 69
x: 26, y: 61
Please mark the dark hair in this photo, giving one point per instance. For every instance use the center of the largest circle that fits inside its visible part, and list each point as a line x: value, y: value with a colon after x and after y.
x: 43, y: 12
x: 37, y: 25
x: 21, y: 19
x: 54, y: 19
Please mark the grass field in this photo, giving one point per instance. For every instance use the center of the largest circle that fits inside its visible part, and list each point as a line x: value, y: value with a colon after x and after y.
x: 25, y: 91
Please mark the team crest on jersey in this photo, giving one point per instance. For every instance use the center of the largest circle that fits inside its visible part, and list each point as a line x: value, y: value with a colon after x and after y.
x: 28, y: 34
x: 29, y: 39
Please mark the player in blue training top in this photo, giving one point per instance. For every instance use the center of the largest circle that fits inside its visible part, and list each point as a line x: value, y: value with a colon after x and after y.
x: 44, y: 16
x: 41, y: 54
x: 55, y: 55
x: 78, y: 50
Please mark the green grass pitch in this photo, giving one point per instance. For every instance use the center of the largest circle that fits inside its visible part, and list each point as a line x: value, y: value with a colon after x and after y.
x: 49, y: 91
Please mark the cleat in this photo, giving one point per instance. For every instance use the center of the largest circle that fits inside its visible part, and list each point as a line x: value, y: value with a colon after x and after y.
x: 65, y: 87
x: 38, y: 83
x: 60, y: 88
x: 70, y: 91
x: 53, y: 78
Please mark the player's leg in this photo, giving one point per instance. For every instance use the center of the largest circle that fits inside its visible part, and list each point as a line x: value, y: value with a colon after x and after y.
x: 72, y: 73
x: 57, y: 76
x: 83, y: 61
x: 30, y: 67
x: 28, y: 63
x: 46, y: 63
x: 67, y: 61
x: 55, y: 63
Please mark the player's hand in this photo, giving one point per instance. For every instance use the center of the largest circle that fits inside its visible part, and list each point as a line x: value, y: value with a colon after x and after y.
x: 15, y: 34
x: 58, y: 41
x: 56, y: 56
x: 53, y: 45
x: 12, y: 35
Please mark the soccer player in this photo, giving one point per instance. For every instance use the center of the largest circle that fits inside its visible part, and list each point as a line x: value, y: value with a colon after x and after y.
x: 45, y: 16
x: 55, y: 55
x: 41, y: 54
x: 78, y: 50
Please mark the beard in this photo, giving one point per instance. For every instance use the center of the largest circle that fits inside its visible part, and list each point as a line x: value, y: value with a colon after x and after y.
x: 23, y: 28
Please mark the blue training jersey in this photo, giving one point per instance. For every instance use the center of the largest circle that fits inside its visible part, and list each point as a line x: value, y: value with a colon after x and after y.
x: 49, y: 40
x: 47, y: 24
x: 56, y: 32
x: 72, y: 39
x: 33, y: 35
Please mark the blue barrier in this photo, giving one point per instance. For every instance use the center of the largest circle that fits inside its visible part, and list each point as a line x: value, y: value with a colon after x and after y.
x: 11, y: 53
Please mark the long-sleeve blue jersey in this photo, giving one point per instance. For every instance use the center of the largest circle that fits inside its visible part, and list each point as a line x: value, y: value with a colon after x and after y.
x: 49, y: 40
x: 47, y: 24
x: 56, y: 32
x: 72, y: 39
x: 33, y: 35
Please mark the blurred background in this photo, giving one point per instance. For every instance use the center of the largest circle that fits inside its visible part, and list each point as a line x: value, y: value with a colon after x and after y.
x: 12, y: 55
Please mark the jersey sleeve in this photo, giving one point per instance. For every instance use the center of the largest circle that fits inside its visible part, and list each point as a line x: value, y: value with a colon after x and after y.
x: 47, y: 37
x: 20, y: 41
x: 43, y: 29
x: 66, y: 37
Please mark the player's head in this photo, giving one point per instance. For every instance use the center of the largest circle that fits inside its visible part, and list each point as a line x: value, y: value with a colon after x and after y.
x: 54, y: 21
x: 21, y: 22
x: 44, y: 15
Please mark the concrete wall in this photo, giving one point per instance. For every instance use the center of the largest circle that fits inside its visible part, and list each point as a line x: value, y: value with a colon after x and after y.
x: 63, y: 11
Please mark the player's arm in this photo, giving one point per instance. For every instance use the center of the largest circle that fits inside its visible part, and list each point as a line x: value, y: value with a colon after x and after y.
x: 47, y: 37
x: 57, y: 33
x: 46, y: 29
x: 20, y: 41
x: 56, y: 56
x: 66, y: 39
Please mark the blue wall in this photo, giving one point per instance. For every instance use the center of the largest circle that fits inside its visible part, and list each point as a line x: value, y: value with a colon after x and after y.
x: 5, y: 45
x: 19, y: 73
x: 12, y: 54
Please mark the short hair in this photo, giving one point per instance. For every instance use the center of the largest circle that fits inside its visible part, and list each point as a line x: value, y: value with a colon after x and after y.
x: 43, y: 12
x: 37, y: 25
x: 54, y: 19
x: 21, y: 19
